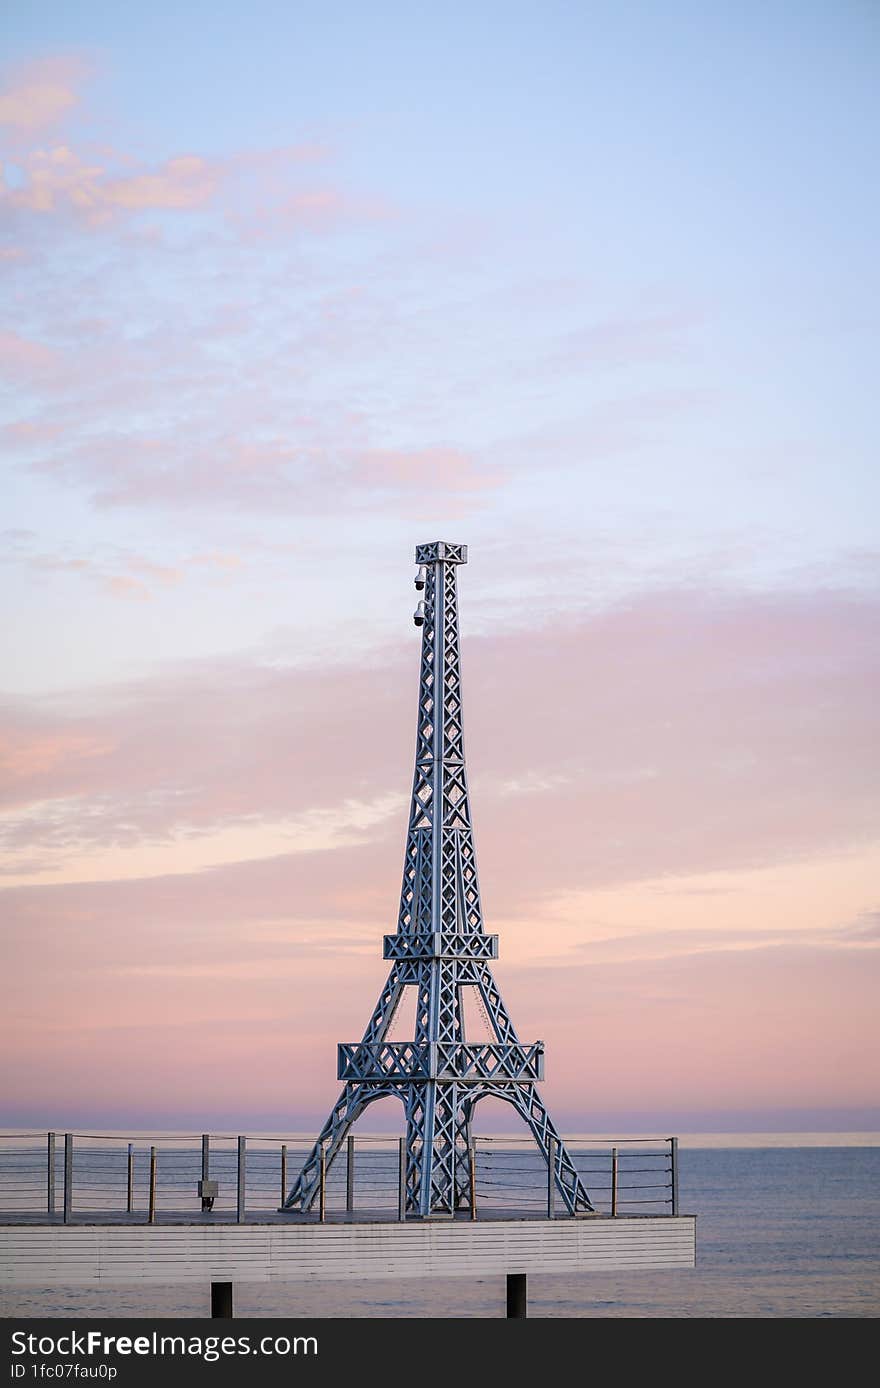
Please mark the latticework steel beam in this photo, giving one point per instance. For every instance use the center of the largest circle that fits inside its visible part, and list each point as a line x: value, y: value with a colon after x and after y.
x: 440, y: 949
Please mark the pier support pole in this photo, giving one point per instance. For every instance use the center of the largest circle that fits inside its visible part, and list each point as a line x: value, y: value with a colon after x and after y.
x: 221, y: 1301
x: 517, y: 1296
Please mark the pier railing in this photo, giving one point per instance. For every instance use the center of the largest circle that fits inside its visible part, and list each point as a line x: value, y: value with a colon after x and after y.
x: 59, y: 1177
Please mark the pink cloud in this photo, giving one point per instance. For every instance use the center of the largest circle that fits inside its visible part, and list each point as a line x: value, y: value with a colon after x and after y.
x: 620, y: 341
x: 118, y: 571
x: 104, y: 183
x: 262, y: 190
x: 781, y: 1026
x: 306, y: 477
x: 866, y: 928
x: 22, y: 356
x: 24, y: 755
x: 29, y: 431
x: 275, y: 163
x: 123, y: 585
x: 686, y: 734
x: 85, y: 995
x: 59, y: 179
x: 680, y: 734
x: 40, y: 93
x: 185, y: 181
x: 313, y: 209
x: 434, y: 470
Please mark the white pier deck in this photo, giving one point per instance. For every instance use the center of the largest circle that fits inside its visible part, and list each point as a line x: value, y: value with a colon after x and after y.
x: 101, y: 1253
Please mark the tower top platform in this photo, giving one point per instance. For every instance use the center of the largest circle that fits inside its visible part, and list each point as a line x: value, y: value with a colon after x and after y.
x: 441, y: 551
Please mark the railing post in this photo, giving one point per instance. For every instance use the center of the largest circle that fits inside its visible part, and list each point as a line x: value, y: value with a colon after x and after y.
x: 322, y: 1186
x: 50, y: 1173
x: 401, y: 1180
x: 129, y: 1198
x: 205, y: 1186
x: 283, y: 1172
x: 68, y: 1176
x: 349, y: 1175
x: 614, y: 1180
x: 151, y: 1210
x: 551, y: 1177
x: 673, y: 1157
x: 472, y: 1173
x: 242, y: 1178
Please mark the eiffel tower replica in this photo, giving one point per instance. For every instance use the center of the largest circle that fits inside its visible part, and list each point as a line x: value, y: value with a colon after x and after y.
x: 440, y: 949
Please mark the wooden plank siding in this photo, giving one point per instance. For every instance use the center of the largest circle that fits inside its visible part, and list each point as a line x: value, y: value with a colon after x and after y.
x: 105, y: 1253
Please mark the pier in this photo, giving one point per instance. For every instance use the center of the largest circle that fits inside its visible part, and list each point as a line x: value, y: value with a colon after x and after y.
x: 99, y: 1210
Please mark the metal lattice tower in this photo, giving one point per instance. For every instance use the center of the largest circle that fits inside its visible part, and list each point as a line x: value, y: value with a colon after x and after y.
x: 440, y: 949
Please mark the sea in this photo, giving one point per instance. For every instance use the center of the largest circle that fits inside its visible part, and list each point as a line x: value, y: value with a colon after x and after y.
x: 788, y: 1226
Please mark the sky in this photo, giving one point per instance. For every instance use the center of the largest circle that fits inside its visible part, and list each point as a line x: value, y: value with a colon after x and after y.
x: 291, y: 287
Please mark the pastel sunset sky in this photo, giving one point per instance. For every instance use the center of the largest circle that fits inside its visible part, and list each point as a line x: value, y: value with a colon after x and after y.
x: 290, y: 287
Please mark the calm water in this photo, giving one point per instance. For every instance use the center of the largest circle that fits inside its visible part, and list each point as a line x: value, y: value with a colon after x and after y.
x: 781, y: 1232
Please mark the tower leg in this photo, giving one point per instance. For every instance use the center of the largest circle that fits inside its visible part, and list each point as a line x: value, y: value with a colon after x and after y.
x: 419, y: 1149
x: 438, y: 1176
x: 350, y: 1104
x: 349, y: 1107
x: 331, y: 1137
x: 530, y: 1106
x: 567, y: 1179
x: 464, y: 1134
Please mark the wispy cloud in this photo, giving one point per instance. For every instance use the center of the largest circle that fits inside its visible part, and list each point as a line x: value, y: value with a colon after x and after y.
x: 725, y: 1027
x: 314, y: 209
x: 113, y: 569
x: 53, y: 174
x: 38, y: 94
x: 665, y: 944
x: 606, y: 343
x: 273, y: 474
x: 59, y: 179
x: 22, y: 357
x: 99, y: 187
x: 681, y: 733
x: 865, y: 929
